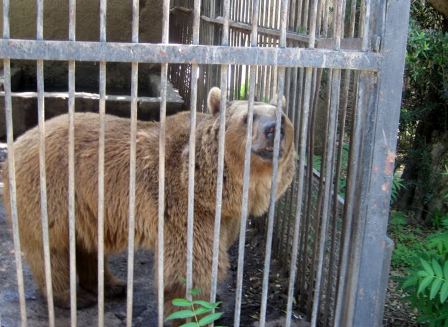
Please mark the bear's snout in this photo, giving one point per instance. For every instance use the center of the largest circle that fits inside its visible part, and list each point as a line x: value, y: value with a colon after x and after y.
x: 264, y: 142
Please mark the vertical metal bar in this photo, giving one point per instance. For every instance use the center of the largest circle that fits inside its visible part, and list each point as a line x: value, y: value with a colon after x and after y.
x: 162, y: 142
x: 352, y: 18
x: 377, y: 177
x: 42, y: 169
x: 340, y: 142
x: 350, y: 199
x: 12, y: 171
x: 351, y: 173
x: 279, y: 113
x: 299, y: 17
x: 101, y: 151
x: 132, y: 167
x: 246, y: 174
x: 320, y: 197
x: 302, y: 159
x: 366, y: 26
x: 221, y: 144
x: 335, y: 91
x: 335, y: 95
x: 353, y: 169
x: 12, y: 190
x: 71, y: 167
x: 192, y: 152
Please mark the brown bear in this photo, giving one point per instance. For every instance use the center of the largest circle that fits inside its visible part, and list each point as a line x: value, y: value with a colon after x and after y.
x: 117, y: 154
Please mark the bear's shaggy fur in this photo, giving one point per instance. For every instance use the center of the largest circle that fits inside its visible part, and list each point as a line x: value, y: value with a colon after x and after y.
x: 117, y: 154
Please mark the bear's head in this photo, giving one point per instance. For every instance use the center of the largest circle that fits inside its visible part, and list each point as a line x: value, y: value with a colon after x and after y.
x: 263, y: 132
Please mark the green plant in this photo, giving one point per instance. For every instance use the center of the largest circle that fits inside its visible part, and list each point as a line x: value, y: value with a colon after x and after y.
x: 427, y: 281
x: 410, y: 241
x: 427, y: 286
x: 397, y: 219
x: 243, y: 92
x: 196, y: 309
x: 397, y: 186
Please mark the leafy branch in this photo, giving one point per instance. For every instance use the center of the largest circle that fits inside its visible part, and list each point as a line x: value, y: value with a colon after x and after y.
x: 196, y: 308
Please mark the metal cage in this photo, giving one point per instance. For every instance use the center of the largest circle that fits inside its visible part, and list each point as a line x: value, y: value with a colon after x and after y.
x: 338, y: 63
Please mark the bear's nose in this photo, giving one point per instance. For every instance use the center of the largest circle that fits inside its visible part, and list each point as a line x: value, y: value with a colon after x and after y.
x: 269, y: 130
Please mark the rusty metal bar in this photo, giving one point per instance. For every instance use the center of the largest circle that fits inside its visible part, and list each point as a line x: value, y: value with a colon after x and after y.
x: 42, y: 170
x: 132, y: 167
x: 192, y: 154
x: 246, y: 173
x: 184, y: 54
x: 221, y: 144
x: 101, y: 154
x: 12, y: 172
x: 71, y: 168
x: 275, y: 162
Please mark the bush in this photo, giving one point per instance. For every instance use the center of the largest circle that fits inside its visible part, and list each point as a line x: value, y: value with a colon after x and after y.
x: 427, y: 280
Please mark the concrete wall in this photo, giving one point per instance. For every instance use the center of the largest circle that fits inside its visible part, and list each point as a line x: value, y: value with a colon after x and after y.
x: 119, y: 20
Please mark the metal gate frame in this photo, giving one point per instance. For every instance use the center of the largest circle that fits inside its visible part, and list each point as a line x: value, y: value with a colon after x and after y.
x: 381, y: 64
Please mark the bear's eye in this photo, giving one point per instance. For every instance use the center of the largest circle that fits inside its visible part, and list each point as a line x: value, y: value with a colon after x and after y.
x: 246, y: 117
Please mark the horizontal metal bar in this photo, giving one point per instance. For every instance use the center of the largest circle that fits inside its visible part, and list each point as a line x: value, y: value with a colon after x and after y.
x: 180, y: 53
x: 87, y: 95
x: 291, y: 36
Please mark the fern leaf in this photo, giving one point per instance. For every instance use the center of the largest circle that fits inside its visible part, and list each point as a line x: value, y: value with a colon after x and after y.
x: 435, y: 287
x: 424, y: 283
x: 437, y: 268
x: 427, y: 266
x: 423, y: 273
x: 444, y: 292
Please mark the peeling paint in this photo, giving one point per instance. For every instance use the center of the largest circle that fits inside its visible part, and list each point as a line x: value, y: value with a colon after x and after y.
x: 389, y: 164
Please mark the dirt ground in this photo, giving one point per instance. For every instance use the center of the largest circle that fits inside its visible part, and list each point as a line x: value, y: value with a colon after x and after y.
x: 144, y: 305
x: 397, y: 312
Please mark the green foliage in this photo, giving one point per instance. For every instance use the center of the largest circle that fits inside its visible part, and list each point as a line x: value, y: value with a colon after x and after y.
x: 427, y: 280
x: 201, y: 312
x: 439, y: 219
x: 243, y: 92
x: 397, y: 186
x: 424, y: 118
x: 317, y: 165
x: 408, y: 241
x: 427, y: 62
x: 317, y: 162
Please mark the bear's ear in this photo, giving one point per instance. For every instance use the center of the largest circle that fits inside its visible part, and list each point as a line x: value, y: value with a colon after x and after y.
x: 214, y: 100
x: 274, y: 102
